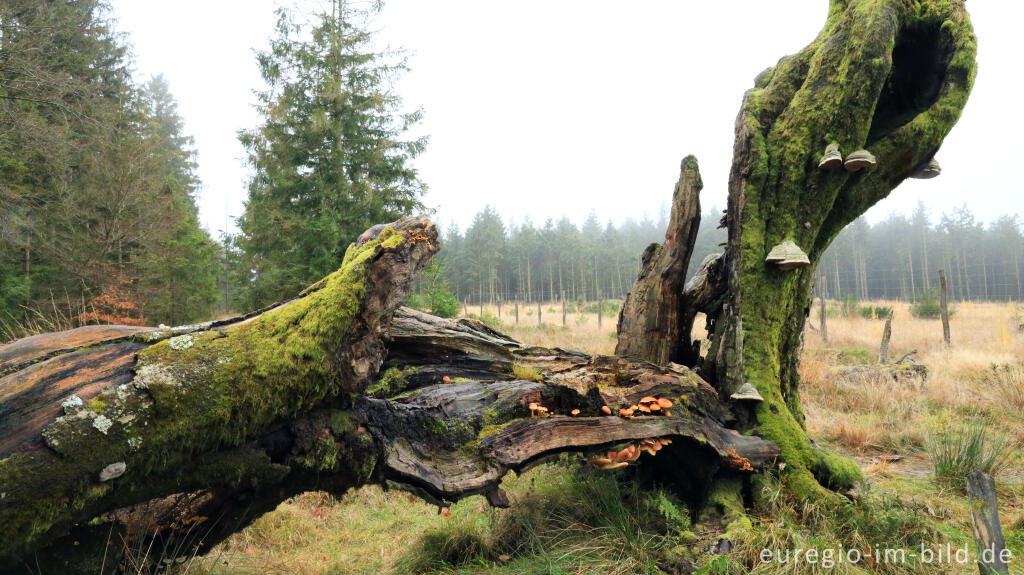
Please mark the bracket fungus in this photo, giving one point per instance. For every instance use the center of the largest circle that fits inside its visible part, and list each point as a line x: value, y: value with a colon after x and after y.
x: 747, y: 392
x: 787, y: 256
x: 113, y: 471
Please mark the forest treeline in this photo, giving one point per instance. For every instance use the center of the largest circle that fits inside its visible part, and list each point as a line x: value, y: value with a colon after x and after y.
x: 98, y: 185
x: 896, y: 259
x: 97, y: 179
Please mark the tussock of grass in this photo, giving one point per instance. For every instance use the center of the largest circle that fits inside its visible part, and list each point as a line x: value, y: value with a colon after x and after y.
x: 960, y: 449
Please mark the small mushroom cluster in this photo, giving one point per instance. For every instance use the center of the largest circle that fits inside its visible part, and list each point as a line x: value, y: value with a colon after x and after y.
x: 632, y: 452
x: 649, y: 406
x: 537, y: 409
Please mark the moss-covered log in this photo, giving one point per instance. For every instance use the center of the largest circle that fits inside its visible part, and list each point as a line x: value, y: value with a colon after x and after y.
x: 118, y: 438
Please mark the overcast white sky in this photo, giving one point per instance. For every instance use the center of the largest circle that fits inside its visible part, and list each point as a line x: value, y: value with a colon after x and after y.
x: 545, y: 108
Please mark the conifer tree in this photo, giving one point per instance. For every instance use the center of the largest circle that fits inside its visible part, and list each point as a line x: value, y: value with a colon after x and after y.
x: 332, y: 155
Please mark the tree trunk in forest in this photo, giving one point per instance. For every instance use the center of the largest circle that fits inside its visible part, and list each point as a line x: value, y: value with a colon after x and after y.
x: 113, y: 437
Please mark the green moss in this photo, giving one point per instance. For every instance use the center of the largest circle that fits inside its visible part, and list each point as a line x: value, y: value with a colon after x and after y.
x: 826, y: 93
x: 525, y: 372
x: 323, y: 456
x: 209, y: 396
x: 96, y: 405
x: 392, y: 382
x: 724, y: 505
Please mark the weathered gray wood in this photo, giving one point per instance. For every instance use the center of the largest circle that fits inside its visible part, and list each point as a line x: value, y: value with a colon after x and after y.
x: 447, y: 416
x: 650, y: 325
x: 992, y: 554
x: 824, y: 310
x: 944, y: 304
x: 883, y: 350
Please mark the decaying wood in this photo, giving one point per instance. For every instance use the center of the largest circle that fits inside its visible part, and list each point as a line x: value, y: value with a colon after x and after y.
x: 992, y: 553
x: 650, y: 326
x: 883, y: 349
x: 438, y: 407
x: 944, y: 308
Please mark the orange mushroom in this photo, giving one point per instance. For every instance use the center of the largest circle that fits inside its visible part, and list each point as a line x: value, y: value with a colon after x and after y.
x: 654, y: 407
x: 649, y: 399
x: 664, y: 402
x: 599, y: 460
x: 611, y: 466
x: 446, y: 379
x: 606, y: 410
x: 644, y: 408
x: 667, y: 413
x: 574, y: 412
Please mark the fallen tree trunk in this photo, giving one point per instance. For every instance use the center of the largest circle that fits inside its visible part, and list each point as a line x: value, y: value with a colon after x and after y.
x: 118, y: 438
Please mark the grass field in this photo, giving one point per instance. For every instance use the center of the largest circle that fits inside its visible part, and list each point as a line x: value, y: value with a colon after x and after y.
x: 566, y: 519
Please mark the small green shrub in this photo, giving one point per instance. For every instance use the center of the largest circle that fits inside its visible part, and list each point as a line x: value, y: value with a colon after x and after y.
x: 957, y: 450
x: 489, y: 319
x: 433, y: 294
x: 927, y: 306
x: 609, y: 307
x: 875, y: 312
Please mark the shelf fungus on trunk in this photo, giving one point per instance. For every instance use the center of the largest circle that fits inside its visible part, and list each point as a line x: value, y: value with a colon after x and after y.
x: 788, y: 256
x: 747, y: 392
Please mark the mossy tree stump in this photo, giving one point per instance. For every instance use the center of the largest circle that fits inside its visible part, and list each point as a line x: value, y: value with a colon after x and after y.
x: 887, y: 76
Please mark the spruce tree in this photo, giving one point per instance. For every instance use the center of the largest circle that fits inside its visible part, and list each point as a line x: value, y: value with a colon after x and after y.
x: 332, y: 155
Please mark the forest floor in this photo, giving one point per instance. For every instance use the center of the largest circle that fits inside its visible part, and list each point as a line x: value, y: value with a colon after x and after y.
x: 567, y: 519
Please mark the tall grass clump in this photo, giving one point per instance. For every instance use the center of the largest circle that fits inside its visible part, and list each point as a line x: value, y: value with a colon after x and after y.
x: 1006, y: 383
x: 960, y: 449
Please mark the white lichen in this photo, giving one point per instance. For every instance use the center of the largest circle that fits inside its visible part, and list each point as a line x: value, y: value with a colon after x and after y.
x: 180, y: 342
x: 146, y: 375
x: 113, y: 471
x: 72, y: 404
x: 102, y: 424
x: 135, y: 443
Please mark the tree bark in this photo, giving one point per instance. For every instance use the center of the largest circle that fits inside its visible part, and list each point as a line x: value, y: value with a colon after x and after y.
x: 884, y: 76
x: 651, y: 325
x: 177, y: 438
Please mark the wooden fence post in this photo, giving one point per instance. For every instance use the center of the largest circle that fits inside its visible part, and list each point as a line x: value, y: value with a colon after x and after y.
x: 944, y: 302
x: 563, y: 308
x: 993, y: 557
x: 883, y: 351
x: 824, y: 311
